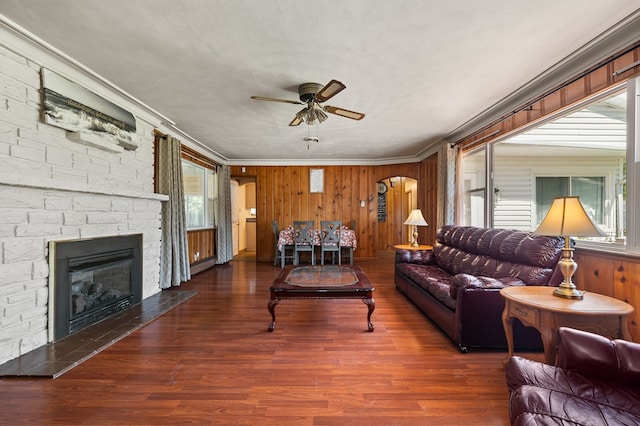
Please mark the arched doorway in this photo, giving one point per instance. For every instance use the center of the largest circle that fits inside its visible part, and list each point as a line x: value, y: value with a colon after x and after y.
x: 397, y: 196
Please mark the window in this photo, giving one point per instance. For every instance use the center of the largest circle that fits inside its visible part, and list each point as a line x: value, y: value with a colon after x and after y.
x: 583, y: 152
x: 474, y: 188
x: 200, y: 195
x: 589, y: 189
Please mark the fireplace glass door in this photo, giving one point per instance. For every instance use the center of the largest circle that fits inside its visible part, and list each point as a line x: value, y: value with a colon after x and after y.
x: 95, y: 287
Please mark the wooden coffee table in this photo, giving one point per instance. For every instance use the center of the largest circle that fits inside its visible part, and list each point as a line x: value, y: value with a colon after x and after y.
x: 537, y: 307
x: 322, y: 282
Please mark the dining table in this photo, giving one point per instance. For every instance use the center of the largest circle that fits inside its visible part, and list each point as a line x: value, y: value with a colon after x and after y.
x: 347, y: 241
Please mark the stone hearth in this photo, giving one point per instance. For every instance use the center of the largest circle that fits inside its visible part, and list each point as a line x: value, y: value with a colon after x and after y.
x: 54, y: 359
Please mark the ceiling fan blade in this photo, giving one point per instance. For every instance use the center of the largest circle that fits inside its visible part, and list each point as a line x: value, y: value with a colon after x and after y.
x: 344, y: 112
x: 296, y: 121
x: 298, y: 118
x: 286, y: 101
x: 330, y: 90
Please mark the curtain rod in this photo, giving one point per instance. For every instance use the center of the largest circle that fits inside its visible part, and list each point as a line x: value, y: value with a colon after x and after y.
x: 625, y: 69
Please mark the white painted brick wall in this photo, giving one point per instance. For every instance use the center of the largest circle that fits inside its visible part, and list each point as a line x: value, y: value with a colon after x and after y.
x: 24, y: 269
x: 52, y: 188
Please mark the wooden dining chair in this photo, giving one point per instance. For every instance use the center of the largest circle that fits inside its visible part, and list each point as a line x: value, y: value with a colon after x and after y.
x: 330, y: 240
x: 303, y: 237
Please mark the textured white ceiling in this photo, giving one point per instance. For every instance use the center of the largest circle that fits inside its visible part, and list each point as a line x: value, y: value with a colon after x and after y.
x: 418, y: 69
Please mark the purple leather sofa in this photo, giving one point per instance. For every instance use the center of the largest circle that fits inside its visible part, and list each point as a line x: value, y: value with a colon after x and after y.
x: 457, y: 284
x: 596, y: 381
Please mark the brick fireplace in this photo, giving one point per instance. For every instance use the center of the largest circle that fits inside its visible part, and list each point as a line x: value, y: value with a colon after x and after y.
x: 32, y: 219
x: 54, y: 188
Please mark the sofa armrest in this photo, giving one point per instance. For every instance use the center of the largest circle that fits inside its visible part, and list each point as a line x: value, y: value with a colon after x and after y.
x: 465, y: 281
x: 419, y: 257
x: 594, y: 355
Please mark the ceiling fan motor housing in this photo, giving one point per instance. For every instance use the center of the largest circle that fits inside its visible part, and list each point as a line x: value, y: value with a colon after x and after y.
x: 307, y: 91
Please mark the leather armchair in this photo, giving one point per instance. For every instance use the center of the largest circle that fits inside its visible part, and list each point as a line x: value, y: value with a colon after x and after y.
x: 596, y: 381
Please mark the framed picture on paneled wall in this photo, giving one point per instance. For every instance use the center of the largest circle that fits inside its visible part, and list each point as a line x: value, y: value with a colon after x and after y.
x: 316, y: 180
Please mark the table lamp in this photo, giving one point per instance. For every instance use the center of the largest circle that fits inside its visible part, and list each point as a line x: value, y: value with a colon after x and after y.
x: 567, y: 218
x: 415, y: 219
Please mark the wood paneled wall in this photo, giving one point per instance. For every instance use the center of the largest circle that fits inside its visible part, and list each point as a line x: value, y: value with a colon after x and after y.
x: 282, y: 194
x: 202, y: 245
x: 428, y: 199
x: 612, y: 275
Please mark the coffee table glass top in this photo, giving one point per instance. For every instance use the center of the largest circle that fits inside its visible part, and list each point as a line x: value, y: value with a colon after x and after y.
x: 325, y: 276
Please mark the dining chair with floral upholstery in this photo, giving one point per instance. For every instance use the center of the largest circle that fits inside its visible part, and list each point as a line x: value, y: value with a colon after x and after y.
x: 303, y: 237
x: 283, y: 253
x: 330, y: 240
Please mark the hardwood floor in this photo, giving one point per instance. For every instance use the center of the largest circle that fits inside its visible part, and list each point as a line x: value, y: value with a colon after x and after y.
x: 212, y: 361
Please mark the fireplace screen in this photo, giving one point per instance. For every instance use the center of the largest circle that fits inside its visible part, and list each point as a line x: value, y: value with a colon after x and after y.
x: 98, y: 284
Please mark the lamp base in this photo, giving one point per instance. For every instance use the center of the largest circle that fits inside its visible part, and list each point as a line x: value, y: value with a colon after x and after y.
x: 568, y: 266
x: 414, y: 241
x: 569, y: 293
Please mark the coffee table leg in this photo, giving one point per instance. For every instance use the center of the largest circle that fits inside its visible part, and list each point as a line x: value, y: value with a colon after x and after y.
x: 272, y: 311
x: 371, y: 304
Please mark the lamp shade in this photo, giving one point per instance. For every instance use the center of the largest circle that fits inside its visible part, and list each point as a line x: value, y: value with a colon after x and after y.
x: 567, y: 217
x: 416, y: 218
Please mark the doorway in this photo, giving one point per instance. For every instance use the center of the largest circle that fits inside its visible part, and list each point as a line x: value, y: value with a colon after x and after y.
x: 244, y: 213
x: 397, y: 196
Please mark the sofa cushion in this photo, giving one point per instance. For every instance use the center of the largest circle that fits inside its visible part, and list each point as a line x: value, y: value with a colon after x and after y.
x: 432, y: 279
x: 497, y: 253
x: 419, y: 257
x: 480, y: 282
x: 535, y: 250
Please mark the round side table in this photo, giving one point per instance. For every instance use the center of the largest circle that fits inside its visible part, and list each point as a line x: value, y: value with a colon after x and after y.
x: 537, y: 307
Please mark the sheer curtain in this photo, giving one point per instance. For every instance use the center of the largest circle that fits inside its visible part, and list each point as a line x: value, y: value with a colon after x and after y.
x: 224, y: 236
x: 174, y: 256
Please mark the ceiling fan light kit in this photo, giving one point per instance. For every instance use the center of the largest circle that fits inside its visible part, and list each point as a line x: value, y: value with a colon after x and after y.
x: 311, y: 114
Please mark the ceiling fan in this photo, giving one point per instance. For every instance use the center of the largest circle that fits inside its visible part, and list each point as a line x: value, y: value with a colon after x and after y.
x: 313, y: 95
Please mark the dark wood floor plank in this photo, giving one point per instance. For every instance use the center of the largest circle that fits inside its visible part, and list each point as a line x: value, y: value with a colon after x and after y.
x: 211, y: 360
